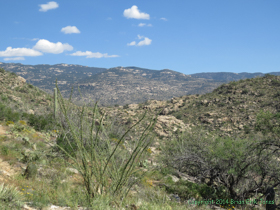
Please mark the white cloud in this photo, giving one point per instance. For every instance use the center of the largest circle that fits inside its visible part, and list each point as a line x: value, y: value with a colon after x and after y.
x: 46, y: 46
x: 144, y: 24
x: 14, y: 59
x: 163, y: 19
x: 131, y: 43
x: 140, y: 37
x: 90, y: 54
x: 70, y: 30
x: 133, y: 12
x: 10, y: 52
x: 48, y: 6
x: 146, y: 41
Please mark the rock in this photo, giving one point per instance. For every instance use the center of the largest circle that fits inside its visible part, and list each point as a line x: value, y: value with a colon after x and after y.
x: 25, y: 207
x: 30, y: 111
x: 205, y: 120
x: 73, y: 170
x: 14, y: 98
x: 165, y: 111
x: 174, y: 178
x: 21, y: 80
x: 133, y: 106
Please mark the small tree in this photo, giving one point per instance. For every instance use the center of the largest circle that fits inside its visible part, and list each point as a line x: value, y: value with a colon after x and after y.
x: 238, y: 165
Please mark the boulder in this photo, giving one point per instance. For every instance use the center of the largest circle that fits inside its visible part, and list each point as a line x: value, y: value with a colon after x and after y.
x: 165, y: 111
x: 21, y: 80
x: 30, y: 111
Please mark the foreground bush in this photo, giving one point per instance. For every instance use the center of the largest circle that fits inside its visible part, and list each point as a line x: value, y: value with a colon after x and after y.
x: 107, y: 167
x: 238, y: 166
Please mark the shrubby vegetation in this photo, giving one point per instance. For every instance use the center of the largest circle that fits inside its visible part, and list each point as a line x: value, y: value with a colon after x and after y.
x: 39, y: 122
x: 229, y: 167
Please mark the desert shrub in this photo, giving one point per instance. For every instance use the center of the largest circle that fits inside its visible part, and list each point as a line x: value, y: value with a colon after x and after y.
x: 106, y: 168
x: 2, y: 70
x: 7, y: 114
x: 68, y: 147
x: 187, y: 190
x: 275, y: 82
x: 125, y: 106
x: 4, y: 98
x: 179, y: 116
x: 224, y: 163
x: 5, y: 150
x: 245, y: 91
x: 267, y: 122
x: 40, y: 122
x: 31, y: 171
x: 30, y: 86
x: 261, y: 93
x: 277, y: 94
x: 13, y: 74
x: 10, y: 197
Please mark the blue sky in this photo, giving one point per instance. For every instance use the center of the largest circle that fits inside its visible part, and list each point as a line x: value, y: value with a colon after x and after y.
x: 188, y: 36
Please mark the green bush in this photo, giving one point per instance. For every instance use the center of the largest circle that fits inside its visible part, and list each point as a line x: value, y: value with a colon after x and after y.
x: 30, y: 86
x: 275, y: 82
x: 10, y: 197
x: 13, y: 74
x: 31, y: 171
x: 2, y: 70
x: 223, y: 163
x: 245, y: 91
x: 39, y: 122
x: 68, y: 147
x: 187, y: 190
x: 5, y: 150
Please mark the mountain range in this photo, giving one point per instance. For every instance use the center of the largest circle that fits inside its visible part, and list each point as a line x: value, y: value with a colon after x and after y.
x: 121, y: 85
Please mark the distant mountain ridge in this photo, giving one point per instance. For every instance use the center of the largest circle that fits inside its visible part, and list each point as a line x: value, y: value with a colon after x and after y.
x: 121, y: 85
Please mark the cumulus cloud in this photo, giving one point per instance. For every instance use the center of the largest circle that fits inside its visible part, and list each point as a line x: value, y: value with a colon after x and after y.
x: 144, y: 24
x: 163, y: 19
x: 146, y: 41
x: 131, y: 43
x: 13, y: 52
x: 70, y: 30
x: 48, y: 6
x: 133, y: 12
x: 14, y: 59
x: 46, y: 46
x: 90, y: 54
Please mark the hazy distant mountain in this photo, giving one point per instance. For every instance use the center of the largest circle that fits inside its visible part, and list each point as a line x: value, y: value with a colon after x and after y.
x: 228, y: 76
x: 121, y: 85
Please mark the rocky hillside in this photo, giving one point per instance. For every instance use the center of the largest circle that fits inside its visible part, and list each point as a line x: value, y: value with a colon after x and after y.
x: 231, y: 109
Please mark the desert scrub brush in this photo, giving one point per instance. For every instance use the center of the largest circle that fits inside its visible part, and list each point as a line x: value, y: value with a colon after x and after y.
x: 10, y: 196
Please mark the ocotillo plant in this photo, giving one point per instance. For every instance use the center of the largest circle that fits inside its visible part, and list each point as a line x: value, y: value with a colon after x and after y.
x: 55, y: 103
